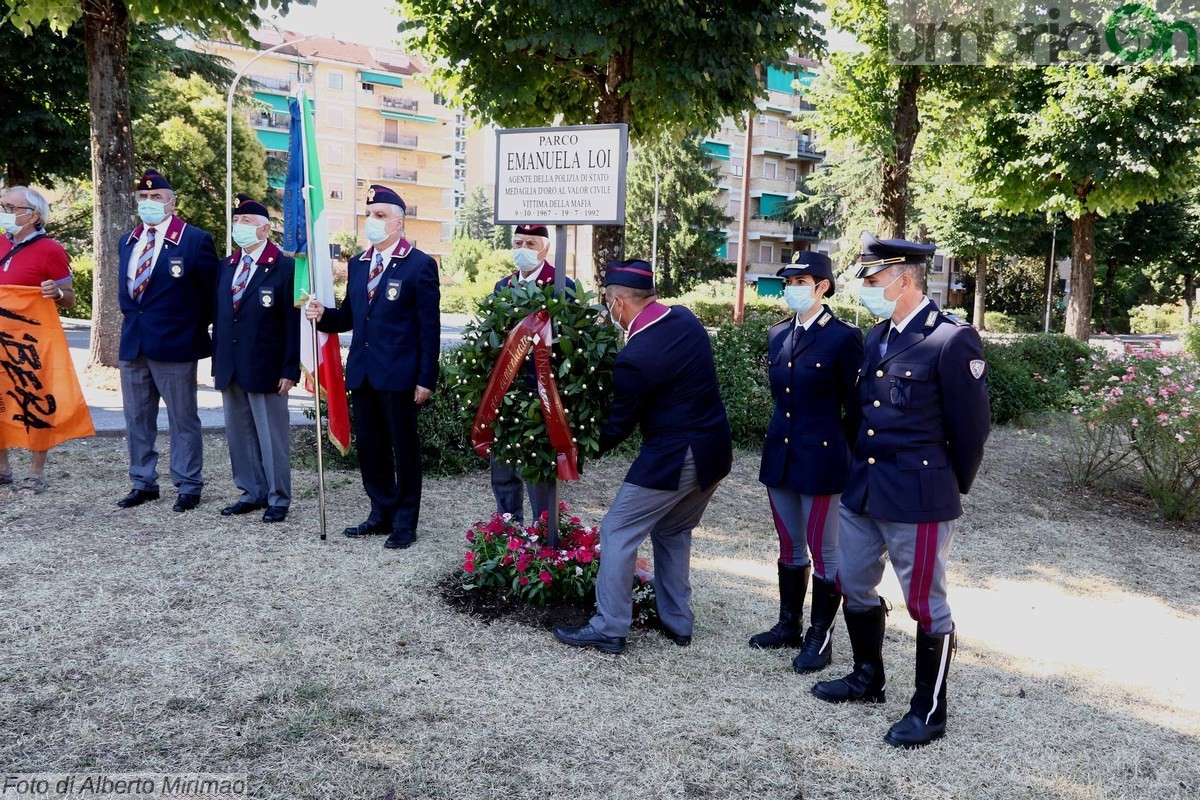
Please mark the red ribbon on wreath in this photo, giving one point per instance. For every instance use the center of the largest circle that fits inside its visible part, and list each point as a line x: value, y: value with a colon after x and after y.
x: 533, y: 331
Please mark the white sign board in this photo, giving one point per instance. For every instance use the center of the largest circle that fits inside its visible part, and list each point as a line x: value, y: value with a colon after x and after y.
x: 561, y: 176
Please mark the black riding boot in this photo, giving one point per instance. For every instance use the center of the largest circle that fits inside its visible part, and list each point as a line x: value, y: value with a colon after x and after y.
x: 793, y: 585
x: 866, y: 683
x: 926, y: 718
x: 817, y: 650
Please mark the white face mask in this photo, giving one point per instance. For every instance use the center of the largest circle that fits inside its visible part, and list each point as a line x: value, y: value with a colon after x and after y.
x: 799, y: 298
x: 612, y: 315
x: 245, y: 235
x: 9, y: 223
x: 376, y: 229
x: 525, y: 259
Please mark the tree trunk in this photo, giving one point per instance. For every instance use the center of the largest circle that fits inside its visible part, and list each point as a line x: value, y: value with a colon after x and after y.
x: 14, y: 175
x: 1110, y: 276
x: 1189, y: 295
x: 608, y: 241
x: 977, y: 317
x: 106, y: 43
x: 1083, y: 276
x: 893, y: 207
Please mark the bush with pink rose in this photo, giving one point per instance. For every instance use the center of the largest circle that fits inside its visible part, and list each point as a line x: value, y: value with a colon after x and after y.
x: 518, y: 563
x: 1142, y: 410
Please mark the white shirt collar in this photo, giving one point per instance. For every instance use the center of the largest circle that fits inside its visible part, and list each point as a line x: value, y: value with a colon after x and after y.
x: 387, y: 254
x: 811, y: 320
x: 255, y: 255
x: 904, y: 322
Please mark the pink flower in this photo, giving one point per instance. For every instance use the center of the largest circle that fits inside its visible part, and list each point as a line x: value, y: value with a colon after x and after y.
x: 523, y: 581
x: 469, y: 563
x: 523, y: 562
x: 514, y: 543
x: 545, y: 578
x: 1133, y: 422
x: 1179, y: 437
x: 584, y: 556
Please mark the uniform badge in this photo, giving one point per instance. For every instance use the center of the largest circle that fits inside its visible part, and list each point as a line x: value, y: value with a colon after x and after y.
x: 370, y: 195
x: 266, y: 297
x: 824, y: 320
x: 176, y: 267
x: 393, y: 290
x: 932, y: 318
x: 977, y: 367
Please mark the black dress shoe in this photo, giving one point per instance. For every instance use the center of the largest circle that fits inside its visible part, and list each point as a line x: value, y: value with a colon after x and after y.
x: 275, y: 514
x: 367, y: 528
x: 137, y: 497
x: 401, y: 539
x: 239, y: 508
x: 186, y: 502
x: 678, y: 638
x: 587, y: 636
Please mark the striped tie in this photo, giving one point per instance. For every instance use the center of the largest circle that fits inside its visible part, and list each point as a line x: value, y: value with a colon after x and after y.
x: 373, y: 278
x: 240, y: 280
x: 141, y: 276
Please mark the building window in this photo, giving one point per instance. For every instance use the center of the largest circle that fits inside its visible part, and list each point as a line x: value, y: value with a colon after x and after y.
x: 360, y: 183
x: 770, y: 126
x: 731, y: 251
x: 737, y: 171
x: 939, y: 263
x: 335, y: 118
x: 336, y: 189
x: 335, y: 80
x: 368, y: 88
x: 766, y: 253
x: 770, y: 168
x: 785, y: 255
x: 789, y: 173
x: 735, y: 208
x: 439, y: 99
x: 336, y: 154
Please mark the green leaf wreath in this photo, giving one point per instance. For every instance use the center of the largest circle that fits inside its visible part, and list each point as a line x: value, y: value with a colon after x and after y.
x: 581, y: 363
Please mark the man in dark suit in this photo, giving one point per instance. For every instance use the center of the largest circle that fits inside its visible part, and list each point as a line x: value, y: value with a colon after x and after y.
x: 665, y: 381
x: 168, y: 273
x: 256, y: 362
x: 531, y: 245
x: 813, y: 362
x: 925, y: 419
x: 392, y: 305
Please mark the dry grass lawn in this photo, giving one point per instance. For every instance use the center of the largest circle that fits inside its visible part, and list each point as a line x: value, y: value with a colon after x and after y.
x: 145, y: 640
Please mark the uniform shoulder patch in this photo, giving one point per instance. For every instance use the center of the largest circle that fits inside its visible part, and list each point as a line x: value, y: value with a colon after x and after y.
x: 978, y: 365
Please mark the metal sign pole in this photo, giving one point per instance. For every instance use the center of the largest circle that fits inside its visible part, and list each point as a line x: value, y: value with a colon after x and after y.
x: 560, y: 287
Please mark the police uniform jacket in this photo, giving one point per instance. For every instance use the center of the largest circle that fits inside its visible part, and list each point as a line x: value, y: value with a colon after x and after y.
x: 545, y: 277
x: 925, y: 418
x: 397, y: 336
x: 259, y: 344
x: 665, y: 382
x: 813, y: 381
x: 170, y: 322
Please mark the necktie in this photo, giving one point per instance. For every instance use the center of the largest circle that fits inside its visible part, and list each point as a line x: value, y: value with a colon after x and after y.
x: 373, y: 278
x: 888, y: 342
x: 141, y: 275
x: 240, y: 280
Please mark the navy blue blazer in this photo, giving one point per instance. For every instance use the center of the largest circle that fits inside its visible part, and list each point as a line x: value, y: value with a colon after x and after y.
x: 259, y: 344
x: 813, y: 380
x: 664, y: 381
x: 545, y: 277
x: 397, y: 336
x: 925, y: 419
x: 170, y: 323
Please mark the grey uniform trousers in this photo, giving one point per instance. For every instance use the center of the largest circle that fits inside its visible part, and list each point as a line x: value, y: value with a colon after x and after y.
x: 918, y: 551
x: 143, y: 383
x: 667, y: 516
x: 258, y: 433
x: 508, y: 489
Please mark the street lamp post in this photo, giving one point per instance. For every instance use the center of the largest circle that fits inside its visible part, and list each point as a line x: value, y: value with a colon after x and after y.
x: 654, y: 234
x: 229, y: 136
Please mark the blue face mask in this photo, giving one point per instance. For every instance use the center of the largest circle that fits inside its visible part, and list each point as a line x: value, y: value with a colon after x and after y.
x: 151, y: 212
x: 799, y: 298
x: 526, y: 259
x: 875, y: 303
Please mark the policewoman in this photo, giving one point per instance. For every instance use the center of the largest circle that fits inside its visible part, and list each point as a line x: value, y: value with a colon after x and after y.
x: 813, y: 359
x: 256, y: 362
x: 925, y: 418
x: 392, y: 305
x: 168, y: 276
x: 531, y: 246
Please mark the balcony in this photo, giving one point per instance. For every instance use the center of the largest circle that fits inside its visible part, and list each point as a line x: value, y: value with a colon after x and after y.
x: 267, y: 83
x: 402, y: 175
x: 760, y: 227
x: 401, y: 140
x: 390, y: 102
x: 806, y: 150
x: 802, y: 233
x: 271, y: 121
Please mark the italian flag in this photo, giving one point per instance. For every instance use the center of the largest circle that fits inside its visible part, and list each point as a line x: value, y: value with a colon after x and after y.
x: 304, y: 183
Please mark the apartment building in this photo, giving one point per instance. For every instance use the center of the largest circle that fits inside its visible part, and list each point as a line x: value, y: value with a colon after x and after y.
x: 376, y: 122
x: 783, y: 153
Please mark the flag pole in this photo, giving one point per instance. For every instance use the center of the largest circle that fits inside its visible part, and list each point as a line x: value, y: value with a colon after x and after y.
x: 306, y: 190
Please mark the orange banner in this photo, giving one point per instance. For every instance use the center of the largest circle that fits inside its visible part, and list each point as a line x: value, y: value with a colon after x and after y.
x: 41, y: 404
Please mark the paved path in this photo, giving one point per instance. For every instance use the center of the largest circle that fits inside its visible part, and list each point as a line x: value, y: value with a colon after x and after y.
x: 105, y: 405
